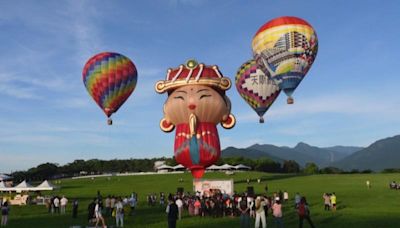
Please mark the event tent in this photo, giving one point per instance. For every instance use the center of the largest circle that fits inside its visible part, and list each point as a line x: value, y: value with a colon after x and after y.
x: 178, y: 167
x: 226, y: 167
x: 164, y: 167
x: 242, y: 167
x: 45, y: 186
x: 213, y: 167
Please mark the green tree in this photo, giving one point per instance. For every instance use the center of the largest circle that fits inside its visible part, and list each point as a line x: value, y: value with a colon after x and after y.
x: 311, y: 168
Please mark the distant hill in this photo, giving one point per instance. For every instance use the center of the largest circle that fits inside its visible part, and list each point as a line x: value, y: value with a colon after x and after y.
x: 302, y: 153
x: 345, y: 150
x: 380, y: 155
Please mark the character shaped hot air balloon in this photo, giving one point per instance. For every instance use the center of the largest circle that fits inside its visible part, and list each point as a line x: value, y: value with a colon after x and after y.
x: 196, y: 104
x: 256, y: 88
x: 110, y: 79
x: 285, y: 48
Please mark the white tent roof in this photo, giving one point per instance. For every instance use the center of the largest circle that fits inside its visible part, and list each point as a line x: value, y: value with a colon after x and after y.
x: 240, y: 166
x: 213, y: 167
x: 2, y: 185
x: 23, y: 184
x: 46, y: 184
x: 4, y: 177
x: 164, y: 167
x: 226, y: 166
x: 179, y: 166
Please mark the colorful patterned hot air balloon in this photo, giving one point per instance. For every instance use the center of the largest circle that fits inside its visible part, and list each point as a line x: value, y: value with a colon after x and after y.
x: 110, y: 79
x: 256, y: 88
x: 285, y: 48
x: 196, y: 104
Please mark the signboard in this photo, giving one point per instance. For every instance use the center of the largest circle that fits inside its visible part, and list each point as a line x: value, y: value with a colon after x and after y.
x: 210, y: 187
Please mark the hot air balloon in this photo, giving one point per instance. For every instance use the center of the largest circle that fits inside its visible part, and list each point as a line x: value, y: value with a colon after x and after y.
x: 196, y: 103
x: 285, y: 48
x: 110, y: 78
x: 256, y: 88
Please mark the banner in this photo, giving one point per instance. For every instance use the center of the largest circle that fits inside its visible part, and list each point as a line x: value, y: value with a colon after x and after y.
x: 211, y: 187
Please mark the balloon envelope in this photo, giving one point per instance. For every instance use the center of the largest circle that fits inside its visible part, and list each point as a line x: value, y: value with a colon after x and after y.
x: 255, y: 87
x: 285, y: 48
x: 110, y: 78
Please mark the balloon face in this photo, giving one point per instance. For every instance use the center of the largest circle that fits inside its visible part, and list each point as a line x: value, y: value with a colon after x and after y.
x: 202, y: 101
x: 110, y: 78
x: 285, y: 48
x: 196, y: 104
x: 256, y: 88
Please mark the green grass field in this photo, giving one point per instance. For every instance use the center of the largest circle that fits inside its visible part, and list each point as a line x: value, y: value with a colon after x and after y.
x: 357, y: 206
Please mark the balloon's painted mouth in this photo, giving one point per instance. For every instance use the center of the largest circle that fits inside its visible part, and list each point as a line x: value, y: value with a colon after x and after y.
x: 192, y: 106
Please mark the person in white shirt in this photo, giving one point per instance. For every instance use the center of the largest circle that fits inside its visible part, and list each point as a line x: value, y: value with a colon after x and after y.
x: 63, y: 203
x: 285, y: 196
x: 119, y: 213
x: 132, y: 204
x: 260, y: 214
x: 99, y: 216
x: 56, y: 204
x: 179, y: 203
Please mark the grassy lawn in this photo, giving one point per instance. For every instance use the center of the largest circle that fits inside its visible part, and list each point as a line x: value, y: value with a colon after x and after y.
x: 357, y: 206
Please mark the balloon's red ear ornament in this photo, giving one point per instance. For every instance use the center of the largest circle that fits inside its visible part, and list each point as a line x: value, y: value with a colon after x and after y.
x: 166, y: 126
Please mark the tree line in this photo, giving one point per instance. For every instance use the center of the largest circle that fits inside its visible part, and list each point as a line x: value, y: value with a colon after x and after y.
x: 48, y: 171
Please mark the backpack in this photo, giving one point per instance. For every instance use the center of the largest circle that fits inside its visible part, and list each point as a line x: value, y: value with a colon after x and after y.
x: 301, y: 210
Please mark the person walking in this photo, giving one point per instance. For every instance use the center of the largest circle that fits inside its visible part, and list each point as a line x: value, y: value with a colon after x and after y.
x: 260, y: 214
x: 4, y: 213
x: 304, y: 213
x: 119, y: 213
x: 57, y: 205
x: 297, y: 199
x: 132, y: 204
x: 91, y: 207
x: 75, y: 208
x: 99, y: 216
x: 172, y: 213
x: 277, y: 213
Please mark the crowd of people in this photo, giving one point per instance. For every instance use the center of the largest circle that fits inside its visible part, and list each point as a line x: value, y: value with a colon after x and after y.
x: 58, y: 205
x: 111, y: 206
x: 246, y: 206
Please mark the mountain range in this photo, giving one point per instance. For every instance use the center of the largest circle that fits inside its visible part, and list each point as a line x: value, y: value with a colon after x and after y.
x: 382, y: 154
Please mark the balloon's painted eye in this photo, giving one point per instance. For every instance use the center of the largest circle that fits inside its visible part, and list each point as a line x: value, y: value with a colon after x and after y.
x: 204, y: 96
x: 179, y: 97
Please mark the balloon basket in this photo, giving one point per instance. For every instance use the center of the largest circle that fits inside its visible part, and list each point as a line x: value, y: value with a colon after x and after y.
x: 261, y: 120
x: 109, y: 121
x: 290, y: 100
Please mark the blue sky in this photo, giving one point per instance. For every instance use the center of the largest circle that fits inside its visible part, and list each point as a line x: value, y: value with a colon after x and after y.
x: 349, y: 96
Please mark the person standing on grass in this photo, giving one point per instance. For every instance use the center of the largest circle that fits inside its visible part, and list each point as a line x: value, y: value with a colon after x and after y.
x: 244, y: 213
x: 57, y: 205
x: 285, y: 196
x: 304, y: 213
x: 333, y: 201
x: 327, y: 201
x: 119, y: 213
x: 91, y: 207
x: 132, y: 204
x: 368, y: 184
x: 260, y: 214
x: 277, y: 213
x: 107, y: 201
x: 297, y: 199
x: 179, y: 204
x: 63, y: 203
x: 4, y: 213
x: 172, y: 213
x: 75, y: 208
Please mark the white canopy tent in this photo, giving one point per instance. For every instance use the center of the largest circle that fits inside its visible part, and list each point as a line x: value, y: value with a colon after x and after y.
x: 23, y: 186
x: 242, y: 167
x: 213, y: 167
x: 177, y: 167
x: 45, y: 186
x: 226, y: 167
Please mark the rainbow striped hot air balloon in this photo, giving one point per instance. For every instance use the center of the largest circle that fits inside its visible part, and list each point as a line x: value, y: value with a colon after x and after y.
x: 110, y: 78
x: 285, y: 48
